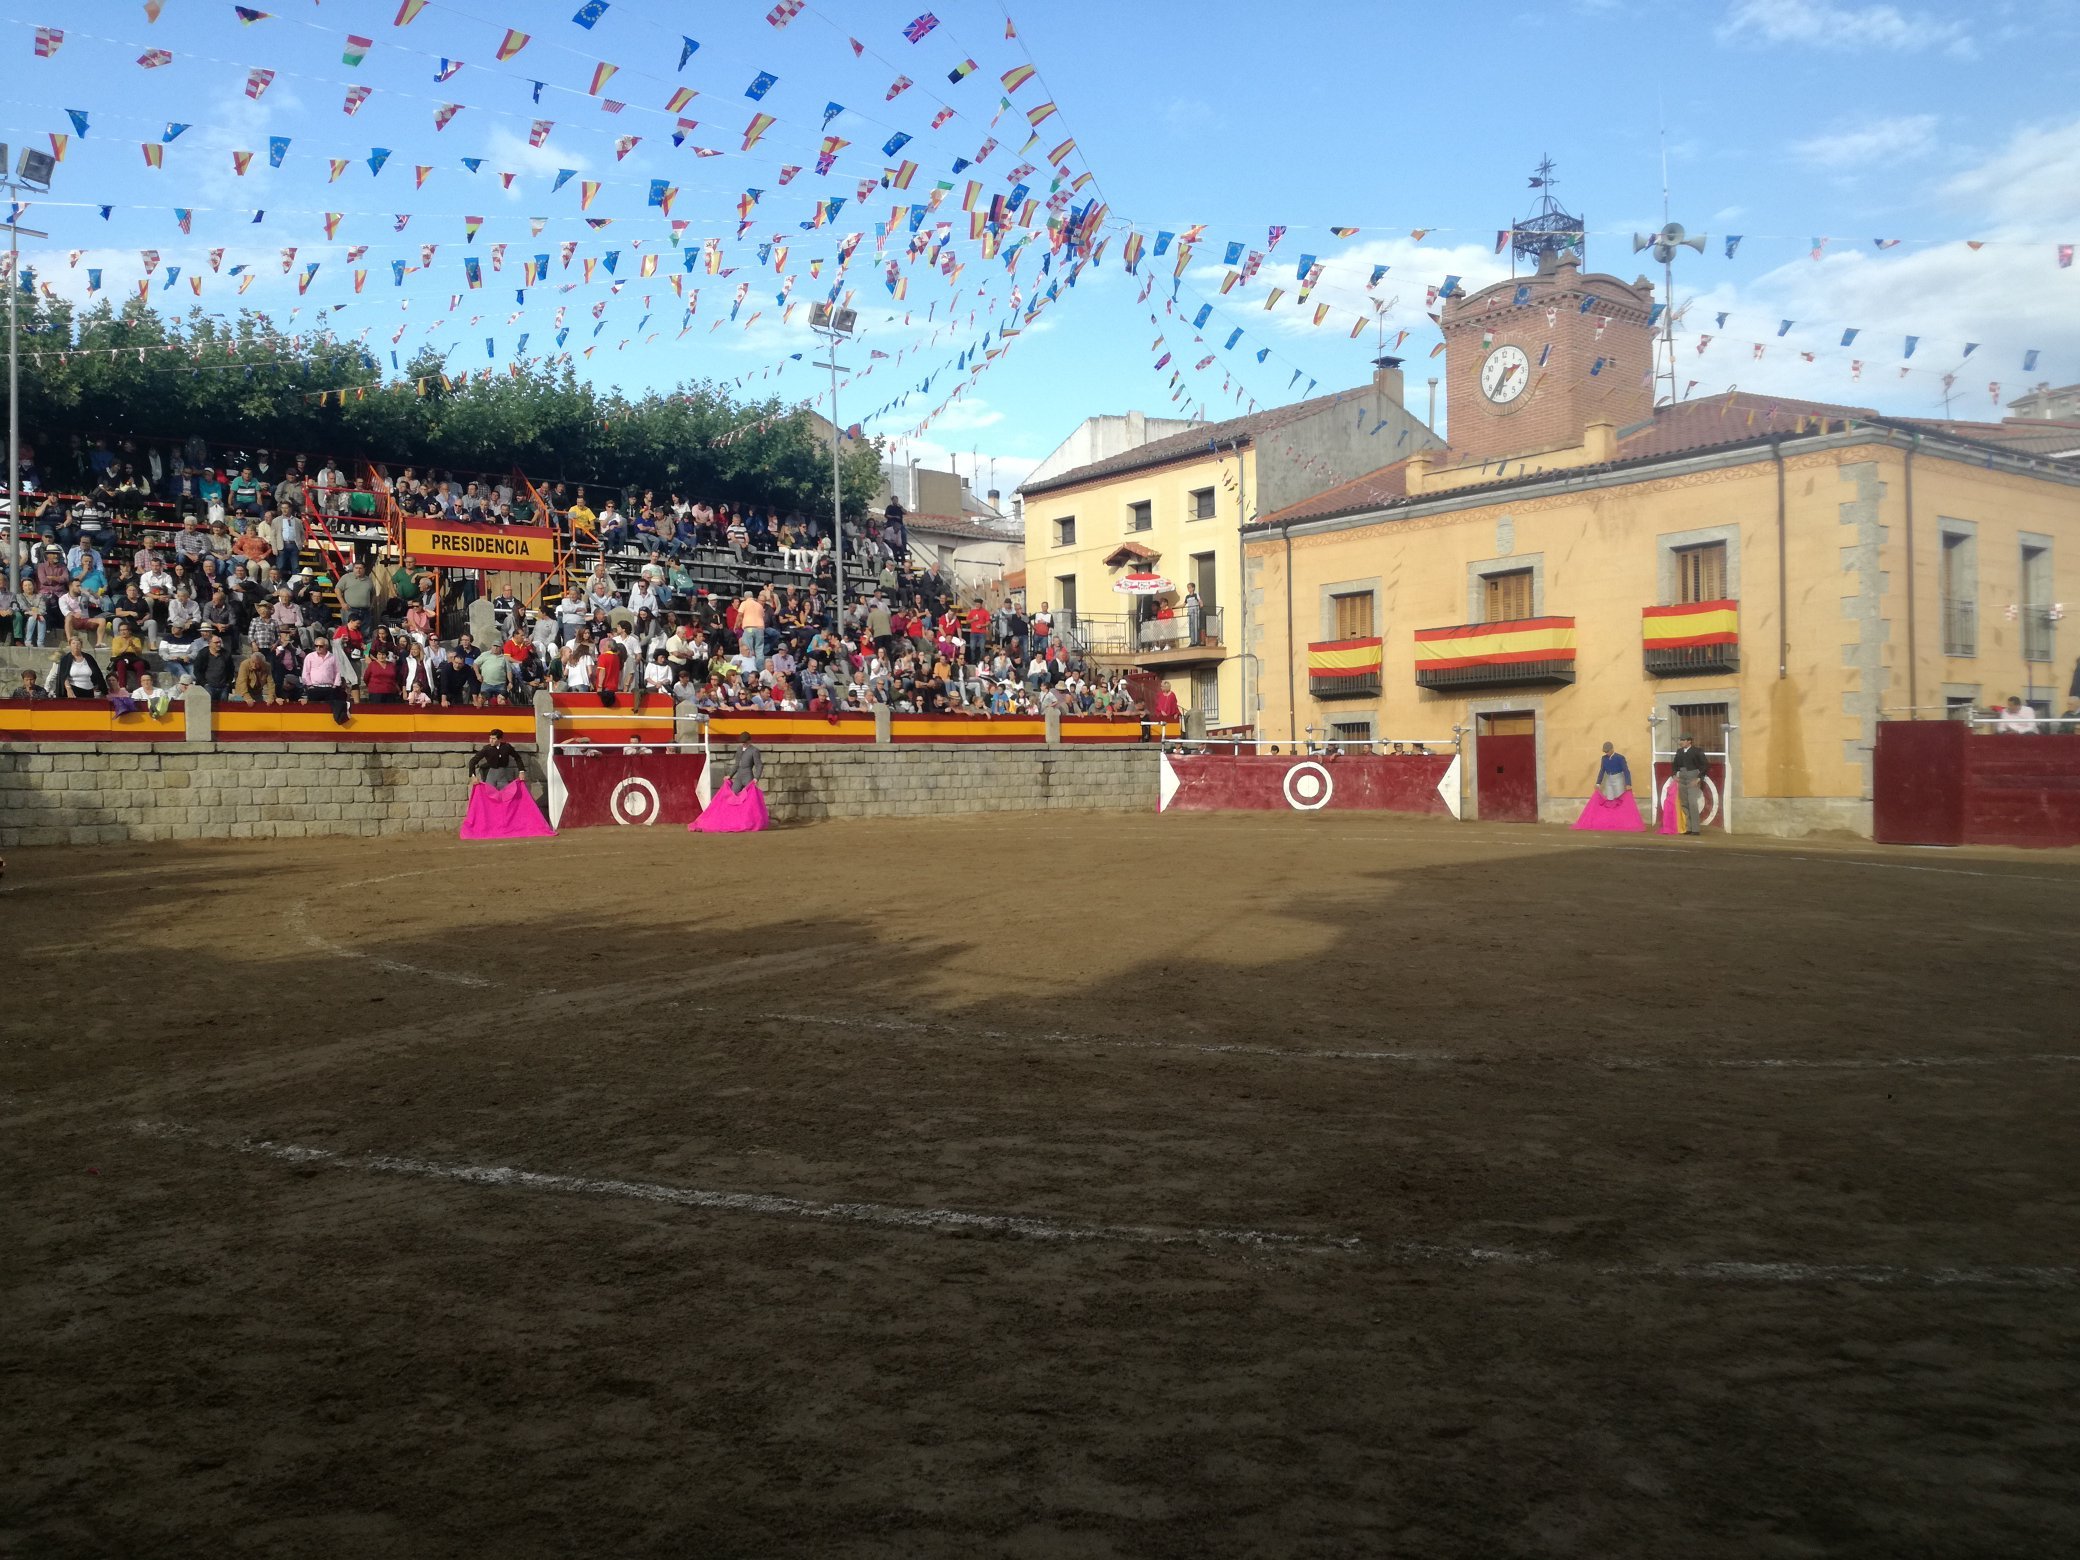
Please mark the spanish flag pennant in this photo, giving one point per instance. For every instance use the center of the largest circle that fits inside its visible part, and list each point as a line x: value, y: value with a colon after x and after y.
x: 240, y: 161
x: 588, y: 263
x: 680, y: 99
x: 58, y: 145
x: 421, y: 170
x: 332, y: 221
x: 587, y: 188
x: 154, y: 154
x: 1039, y: 113
x: 602, y: 73
x: 514, y: 41
x: 338, y: 166
x: 649, y: 267
x: 195, y: 285
x: 1271, y: 299
x: 360, y: 277
x: 1062, y: 151
x: 407, y: 10
x: 1017, y: 77
x: 760, y: 123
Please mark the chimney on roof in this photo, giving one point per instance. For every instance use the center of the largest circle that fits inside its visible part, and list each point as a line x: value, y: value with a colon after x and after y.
x: 996, y: 499
x: 1386, y: 384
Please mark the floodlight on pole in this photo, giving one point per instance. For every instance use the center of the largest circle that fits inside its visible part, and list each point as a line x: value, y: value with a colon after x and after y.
x: 835, y: 325
x: 32, y: 173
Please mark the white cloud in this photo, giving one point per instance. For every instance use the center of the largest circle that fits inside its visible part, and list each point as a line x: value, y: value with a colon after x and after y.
x: 1817, y: 24
x: 2033, y: 181
x: 1876, y: 140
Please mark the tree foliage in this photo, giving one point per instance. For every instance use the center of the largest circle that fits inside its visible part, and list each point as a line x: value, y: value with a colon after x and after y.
x: 127, y: 372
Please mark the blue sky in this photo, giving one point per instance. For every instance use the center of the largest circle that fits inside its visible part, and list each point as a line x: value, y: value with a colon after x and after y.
x: 1787, y: 121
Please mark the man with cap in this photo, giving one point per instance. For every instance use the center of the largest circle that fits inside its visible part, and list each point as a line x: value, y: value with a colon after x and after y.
x: 1689, y: 767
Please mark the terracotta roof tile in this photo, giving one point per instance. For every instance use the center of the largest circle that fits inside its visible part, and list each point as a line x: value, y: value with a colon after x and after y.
x: 1178, y: 446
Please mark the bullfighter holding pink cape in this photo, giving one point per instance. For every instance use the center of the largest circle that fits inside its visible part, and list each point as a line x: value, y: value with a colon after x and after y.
x: 1611, y: 807
x: 740, y: 806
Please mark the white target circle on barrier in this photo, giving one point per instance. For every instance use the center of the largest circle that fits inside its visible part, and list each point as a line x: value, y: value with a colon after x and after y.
x: 1711, y: 799
x: 634, y: 802
x: 1308, y: 787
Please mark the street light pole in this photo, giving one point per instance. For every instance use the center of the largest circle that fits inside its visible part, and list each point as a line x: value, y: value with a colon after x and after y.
x: 833, y: 325
x: 34, y: 173
x: 837, y: 497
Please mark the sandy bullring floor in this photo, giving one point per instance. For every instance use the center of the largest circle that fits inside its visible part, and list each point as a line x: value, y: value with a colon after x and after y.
x: 1041, y: 1186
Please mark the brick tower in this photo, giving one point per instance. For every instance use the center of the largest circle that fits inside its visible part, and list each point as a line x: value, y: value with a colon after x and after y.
x: 1531, y: 362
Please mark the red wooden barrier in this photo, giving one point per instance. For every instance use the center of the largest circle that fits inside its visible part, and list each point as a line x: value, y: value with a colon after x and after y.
x: 1221, y: 782
x: 1943, y: 783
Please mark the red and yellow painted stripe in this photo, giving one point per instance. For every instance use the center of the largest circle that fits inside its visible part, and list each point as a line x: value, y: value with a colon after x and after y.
x: 1692, y: 624
x: 1343, y: 658
x: 1495, y: 644
x: 86, y: 720
x: 367, y: 723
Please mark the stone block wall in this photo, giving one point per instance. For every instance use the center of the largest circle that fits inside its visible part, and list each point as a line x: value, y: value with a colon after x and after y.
x: 804, y: 784
x: 69, y: 794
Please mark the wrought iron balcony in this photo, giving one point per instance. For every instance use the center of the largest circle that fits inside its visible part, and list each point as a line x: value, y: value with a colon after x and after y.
x: 1518, y: 652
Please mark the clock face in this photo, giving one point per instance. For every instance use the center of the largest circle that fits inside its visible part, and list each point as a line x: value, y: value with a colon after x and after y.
x: 1505, y: 375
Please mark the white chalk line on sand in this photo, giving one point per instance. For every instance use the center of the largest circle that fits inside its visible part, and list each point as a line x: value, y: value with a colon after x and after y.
x: 887, y: 1215
x: 300, y: 911
x: 955, y: 1222
x: 1440, y: 1058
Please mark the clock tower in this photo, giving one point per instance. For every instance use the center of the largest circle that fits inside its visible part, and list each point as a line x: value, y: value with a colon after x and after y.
x: 1531, y: 363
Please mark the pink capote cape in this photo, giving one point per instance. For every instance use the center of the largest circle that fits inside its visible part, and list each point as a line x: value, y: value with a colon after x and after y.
x: 508, y: 814
x: 734, y: 812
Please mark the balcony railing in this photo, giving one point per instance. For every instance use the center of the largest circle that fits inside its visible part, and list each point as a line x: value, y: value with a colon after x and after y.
x: 1960, y: 626
x: 1514, y: 653
x: 2037, y: 633
x: 1123, y: 637
x: 1689, y: 659
x: 1361, y: 685
x: 1691, y: 637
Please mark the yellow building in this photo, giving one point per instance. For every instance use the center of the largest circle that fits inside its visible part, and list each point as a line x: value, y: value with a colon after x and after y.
x: 1113, y: 546
x: 1582, y: 566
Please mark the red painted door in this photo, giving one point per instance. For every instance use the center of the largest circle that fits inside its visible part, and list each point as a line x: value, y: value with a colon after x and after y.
x: 1508, y: 788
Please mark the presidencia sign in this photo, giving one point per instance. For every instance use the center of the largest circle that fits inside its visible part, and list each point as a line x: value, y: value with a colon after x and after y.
x: 526, y: 549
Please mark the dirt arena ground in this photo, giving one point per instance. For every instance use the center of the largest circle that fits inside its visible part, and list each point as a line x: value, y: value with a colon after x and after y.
x: 1041, y: 1186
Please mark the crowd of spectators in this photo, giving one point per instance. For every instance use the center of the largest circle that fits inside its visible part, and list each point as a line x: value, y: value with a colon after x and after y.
x: 206, y: 566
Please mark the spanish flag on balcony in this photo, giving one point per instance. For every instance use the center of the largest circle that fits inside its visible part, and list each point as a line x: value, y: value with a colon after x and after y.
x: 1693, y: 624
x: 1343, y: 658
x: 1511, y: 643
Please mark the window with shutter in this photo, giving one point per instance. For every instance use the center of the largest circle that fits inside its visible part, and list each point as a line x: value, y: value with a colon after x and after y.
x: 1506, y: 597
x: 1701, y: 573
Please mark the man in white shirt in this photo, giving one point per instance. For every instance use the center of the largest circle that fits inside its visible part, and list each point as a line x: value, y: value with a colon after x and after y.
x: 2018, y: 719
x: 332, y: 484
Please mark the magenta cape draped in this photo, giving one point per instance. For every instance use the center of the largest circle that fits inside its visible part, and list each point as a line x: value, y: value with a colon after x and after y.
x: 507, y: 814
x: 734, y: 812
x: 1620, y: 816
